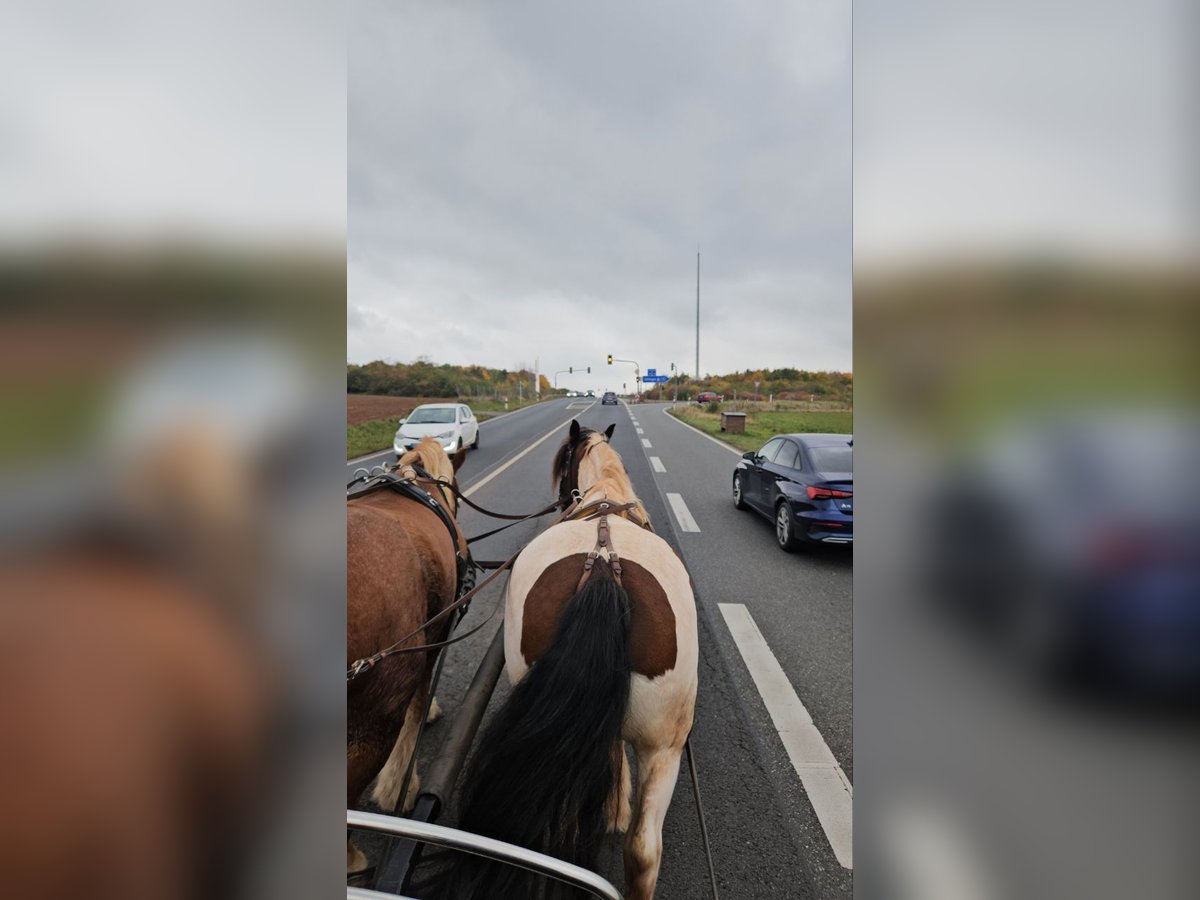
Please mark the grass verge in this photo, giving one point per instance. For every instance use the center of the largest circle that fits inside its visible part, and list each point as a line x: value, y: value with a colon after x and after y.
x: 764, y: 424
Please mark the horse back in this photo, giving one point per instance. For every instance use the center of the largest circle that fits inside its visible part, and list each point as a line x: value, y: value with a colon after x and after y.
x: 662, y: 627
x: 400, y: 571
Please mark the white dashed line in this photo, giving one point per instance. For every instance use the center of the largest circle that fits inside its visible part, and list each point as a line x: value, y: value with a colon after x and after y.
x: 682, y: 514
x: 640, y: 431
x: 656, y: 464
x: 646, y: 443
x: 828, y: 789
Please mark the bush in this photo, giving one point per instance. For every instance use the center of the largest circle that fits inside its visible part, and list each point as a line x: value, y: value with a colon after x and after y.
x: 714, y: 406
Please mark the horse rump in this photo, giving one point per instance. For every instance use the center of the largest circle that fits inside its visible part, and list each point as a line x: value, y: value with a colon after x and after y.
x: 545, y: 765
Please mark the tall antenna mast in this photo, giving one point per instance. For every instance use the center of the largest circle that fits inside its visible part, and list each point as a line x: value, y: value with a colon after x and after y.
x: 697, y: 313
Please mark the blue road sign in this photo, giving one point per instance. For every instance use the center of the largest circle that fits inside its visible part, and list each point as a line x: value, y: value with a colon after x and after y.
x: 655, y: 379
x: 650, y: 373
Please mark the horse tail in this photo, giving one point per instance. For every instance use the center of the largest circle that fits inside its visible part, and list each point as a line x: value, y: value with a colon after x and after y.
x: 545, y: 765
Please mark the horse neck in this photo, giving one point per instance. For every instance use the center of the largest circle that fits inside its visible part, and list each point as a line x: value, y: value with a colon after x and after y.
x: 607, y: 475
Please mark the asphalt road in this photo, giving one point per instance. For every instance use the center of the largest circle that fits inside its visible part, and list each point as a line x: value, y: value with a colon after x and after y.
x: 767, y: 839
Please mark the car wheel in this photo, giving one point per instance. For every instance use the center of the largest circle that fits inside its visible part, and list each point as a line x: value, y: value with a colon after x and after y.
x: 738, y: 500
x: 475, y: 443
x: 785, y: 534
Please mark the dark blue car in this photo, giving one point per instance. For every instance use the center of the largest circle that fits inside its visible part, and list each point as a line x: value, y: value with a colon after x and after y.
x: 804, y: 483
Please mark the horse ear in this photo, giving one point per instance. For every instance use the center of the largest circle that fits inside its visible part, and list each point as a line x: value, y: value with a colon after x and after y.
x: 458, y: 459
x: 574, y: 430
x: 608, y: 432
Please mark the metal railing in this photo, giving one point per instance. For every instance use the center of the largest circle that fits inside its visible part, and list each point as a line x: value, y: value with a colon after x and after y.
x: 453, y: 838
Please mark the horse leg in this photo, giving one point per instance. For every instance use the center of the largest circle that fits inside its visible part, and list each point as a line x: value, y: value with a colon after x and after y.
x: 386, y: 792
x: 618, y: 810
x: 658, y: 768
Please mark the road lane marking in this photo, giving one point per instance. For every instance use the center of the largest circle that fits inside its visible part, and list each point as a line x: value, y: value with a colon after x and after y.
x: 720, y: 444
x: 656, y: 464
x: 640, y: 431
x: 646, y: 443
x: 828, y: 789
x: 363, y: 459
x: 392, y: 450
x: 467, y: 492
x: 682, y: 514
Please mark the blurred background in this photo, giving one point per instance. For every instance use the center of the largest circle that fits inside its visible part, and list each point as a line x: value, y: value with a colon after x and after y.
x: 1027, y: 575
x: 172, y: 344
x: 172, y: 280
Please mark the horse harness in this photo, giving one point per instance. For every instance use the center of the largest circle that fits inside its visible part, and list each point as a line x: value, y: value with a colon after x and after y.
x: 406, y: 481
x: 600, y: 511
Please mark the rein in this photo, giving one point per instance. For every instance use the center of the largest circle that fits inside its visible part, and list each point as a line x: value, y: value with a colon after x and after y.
x: 361, y: 666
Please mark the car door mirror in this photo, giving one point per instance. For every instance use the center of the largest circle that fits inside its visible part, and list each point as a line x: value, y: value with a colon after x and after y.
x: 402, y: 421
x: 750, y: 455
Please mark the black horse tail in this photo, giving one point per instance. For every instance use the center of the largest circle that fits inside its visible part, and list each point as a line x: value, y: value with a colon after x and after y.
x: 545, y: 766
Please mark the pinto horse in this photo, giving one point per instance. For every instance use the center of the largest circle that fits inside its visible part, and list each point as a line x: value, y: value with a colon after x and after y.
x: 600, y: 642
x: 402, y: 566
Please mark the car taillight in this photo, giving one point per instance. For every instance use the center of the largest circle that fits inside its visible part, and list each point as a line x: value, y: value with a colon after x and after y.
x: 816, y: 493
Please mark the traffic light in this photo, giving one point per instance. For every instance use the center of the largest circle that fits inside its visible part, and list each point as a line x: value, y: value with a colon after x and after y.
x: 610, y: 359
x: 589, y: 370
x: 570, y: 370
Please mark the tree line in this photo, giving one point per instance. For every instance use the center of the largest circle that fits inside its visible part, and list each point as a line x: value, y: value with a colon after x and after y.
x: 425, y: 379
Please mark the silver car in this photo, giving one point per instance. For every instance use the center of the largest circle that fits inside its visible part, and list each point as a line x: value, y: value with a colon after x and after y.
x: 453, y: 424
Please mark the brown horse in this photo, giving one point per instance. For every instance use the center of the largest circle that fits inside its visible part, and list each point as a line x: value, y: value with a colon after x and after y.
x: 401, y: 571
x: 600, y: 641
x: 137, y: 700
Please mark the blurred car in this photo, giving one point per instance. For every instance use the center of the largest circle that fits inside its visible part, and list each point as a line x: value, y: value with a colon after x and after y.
x: 804, y: 483
x: 708, y: 397
x: 1075, y: 543
x: 591, y: 393
x: 609, y: 398
x: 453, y: 424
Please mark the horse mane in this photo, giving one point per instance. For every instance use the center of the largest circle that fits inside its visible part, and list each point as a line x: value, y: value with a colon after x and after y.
x: 558, y: 470
x: 613, y: 470
x: 428, y: 453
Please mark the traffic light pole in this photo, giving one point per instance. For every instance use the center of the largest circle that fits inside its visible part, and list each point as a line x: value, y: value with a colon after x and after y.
x: 637, y: 370
x: 570, y: 370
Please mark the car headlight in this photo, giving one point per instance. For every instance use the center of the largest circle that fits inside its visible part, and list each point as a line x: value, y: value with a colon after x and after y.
x: 445, y: 435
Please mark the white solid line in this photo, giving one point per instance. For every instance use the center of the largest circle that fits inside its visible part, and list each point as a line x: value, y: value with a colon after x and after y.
x: 656, y: 464
x: 467, y: 492
x: 354, y: 462
x: 682, y: 514
x: 646, y: 443
x: 828, y: 789
x: 722, y: 444
x: 362, y: 459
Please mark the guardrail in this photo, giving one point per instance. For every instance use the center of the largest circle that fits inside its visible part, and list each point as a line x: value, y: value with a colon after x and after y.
x: 453, y: 838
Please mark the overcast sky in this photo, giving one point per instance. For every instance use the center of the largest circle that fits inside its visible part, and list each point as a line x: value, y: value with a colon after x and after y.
x: 531, y: 181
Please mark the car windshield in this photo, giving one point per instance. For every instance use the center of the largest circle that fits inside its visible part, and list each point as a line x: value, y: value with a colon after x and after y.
x: 832, y: 459
x: 430, y: 417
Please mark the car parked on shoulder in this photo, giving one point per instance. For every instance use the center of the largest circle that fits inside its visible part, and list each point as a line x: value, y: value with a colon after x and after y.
x: 804, y: 483
x: 609, y: 398
x: 453, y: 424
x: 709, y: 396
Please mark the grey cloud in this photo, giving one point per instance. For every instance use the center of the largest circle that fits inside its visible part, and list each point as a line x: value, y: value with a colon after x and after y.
x: 535, y: 170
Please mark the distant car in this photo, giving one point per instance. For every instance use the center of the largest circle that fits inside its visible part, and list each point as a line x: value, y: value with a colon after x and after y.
x: 804, y: 483
x: 608, y: 398
x: 591, y: 393
x: 453, y: 424
x: 708, y: 396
